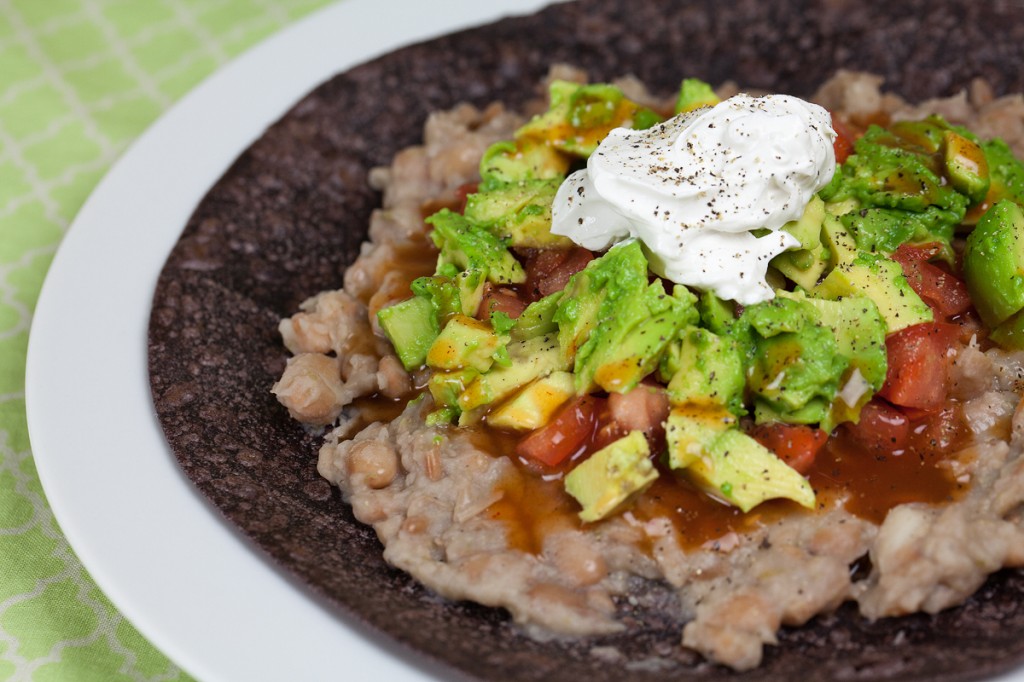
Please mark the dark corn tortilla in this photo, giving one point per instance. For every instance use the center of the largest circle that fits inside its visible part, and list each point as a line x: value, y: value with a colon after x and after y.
x: 291, y: 212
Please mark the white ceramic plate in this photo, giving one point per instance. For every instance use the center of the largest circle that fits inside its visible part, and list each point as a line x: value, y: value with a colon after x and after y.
x: 184, y: 577
x: 163, y: 555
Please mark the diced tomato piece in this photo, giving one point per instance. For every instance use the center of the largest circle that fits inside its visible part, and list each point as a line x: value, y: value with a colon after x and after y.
x: 499, y: 299
x: 569, y: 433
x: 945, y: 293
x: 882, y: 428
x: 795, y: 444
x: 645, y: 408
x: 548, y: 270
x: 916, y: 253
x: 919, y: 360
x: 843, y: 144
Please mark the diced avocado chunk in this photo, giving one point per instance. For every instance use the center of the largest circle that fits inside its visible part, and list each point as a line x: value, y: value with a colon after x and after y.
x: 807, y: 228
x: 445, y: 388
x: 535, y: 405
x: 966, y: 166
x: 616, y: 275
x: 925, y: 136
x: 606, y: 481
x: 510, y: 161
x: 1010, y: 333
x: 529, y: 360
x: 518, y: 212
x: 860, y: 331
x: 613, y: 325
x: 580, y: 116
x: 716, y: 314
x: 881, y: 279
x: 465, y: 343
x: 690, y: 427
x: 624, y: 348
x: 994, y: 263
x: 720, y: 459
x: 837, y: 238
x: 708, y: 371
x: 467, y: 246
x: 806, y: 264
x: 735, y: 468
x: 537, y: 319
x: 452, y: 295
x: 803, y: 267
x: 793, y: 359
x: 1006, y: 172
x: 694, y: 94
x: 882, y: 230
x: 411, y: 326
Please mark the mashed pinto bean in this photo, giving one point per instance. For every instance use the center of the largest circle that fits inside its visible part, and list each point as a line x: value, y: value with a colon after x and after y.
x: 457, y: 510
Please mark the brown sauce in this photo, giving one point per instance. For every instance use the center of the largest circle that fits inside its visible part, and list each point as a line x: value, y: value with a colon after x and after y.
x: 414, y: 259
x: 869, y: 484
x: 844, y: 475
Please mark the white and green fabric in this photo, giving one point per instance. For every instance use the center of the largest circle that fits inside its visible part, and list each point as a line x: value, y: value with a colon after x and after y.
x: 79, y: 80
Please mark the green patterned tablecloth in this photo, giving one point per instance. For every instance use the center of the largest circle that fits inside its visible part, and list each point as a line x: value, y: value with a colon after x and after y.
x: 79, y: 80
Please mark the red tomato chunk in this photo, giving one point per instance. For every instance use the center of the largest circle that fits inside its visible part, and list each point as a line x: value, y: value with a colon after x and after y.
x: 796, y: 445
x: 919, y: 363
x: 568, y: 434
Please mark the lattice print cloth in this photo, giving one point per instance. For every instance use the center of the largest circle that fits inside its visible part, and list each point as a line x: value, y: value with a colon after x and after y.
x: 79, y: 80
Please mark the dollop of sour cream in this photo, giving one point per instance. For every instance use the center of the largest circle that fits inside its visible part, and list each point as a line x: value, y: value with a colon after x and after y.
x: 694, y: 188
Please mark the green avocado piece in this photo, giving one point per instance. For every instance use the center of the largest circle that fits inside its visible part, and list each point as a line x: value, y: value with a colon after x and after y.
x: 536, y: 404
x: 465, y: 343
x: 708, y: 370
x: 690, y: 427
x: 994, y: 263
x: 966, y: 166
x: 838, y: 239
x: 860, y: 331
x: 606, y: 481
x: 805, y: 265
x: 537, y: 319
x: 452, y: 295
x: 727, y: 464
x: 716, y: 313
x: 881, y: 279
x: 793, y: 359
x: 597, y: 292
x: 411, y: 326
x: 518, y: 212
x: 510, y: 161
x: 925, y: 136
x: 882, y: 230
x: 807, y: 228
x: 1006, y: 172
x: 1010, y: 333
x: 445, y: 388
x: 694, y: 94
x: 529, y: 360
x: 467, y: 246
x: 580, y: 116
x: 627, y: 343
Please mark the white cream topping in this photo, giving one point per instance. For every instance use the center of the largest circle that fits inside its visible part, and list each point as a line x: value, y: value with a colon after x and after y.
x: 694, y: 187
